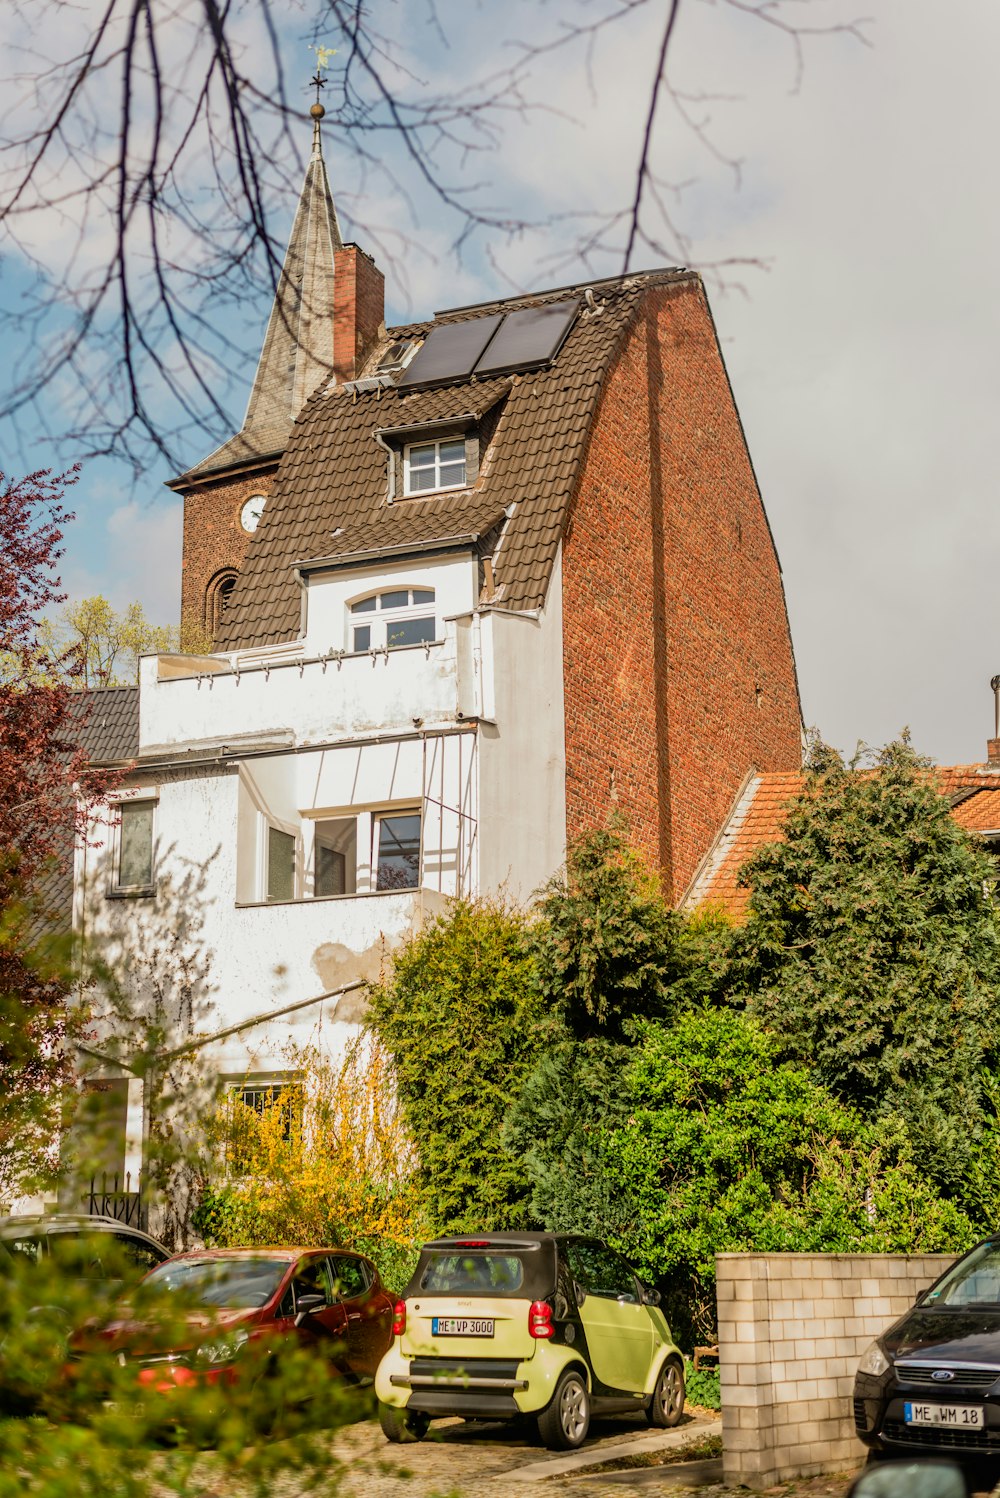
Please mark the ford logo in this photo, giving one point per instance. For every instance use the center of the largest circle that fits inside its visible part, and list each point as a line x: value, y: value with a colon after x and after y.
x: 942, y: 1375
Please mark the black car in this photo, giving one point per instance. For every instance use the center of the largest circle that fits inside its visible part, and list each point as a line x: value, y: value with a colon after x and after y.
x: 932, y: 1381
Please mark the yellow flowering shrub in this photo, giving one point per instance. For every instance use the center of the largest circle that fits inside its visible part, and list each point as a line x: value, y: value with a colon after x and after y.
x: 327, y: 1161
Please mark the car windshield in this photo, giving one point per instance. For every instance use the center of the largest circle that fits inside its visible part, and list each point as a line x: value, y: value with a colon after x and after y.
x: 235, y: 1284
x: 974, y: 1281
x: 471, y: 1274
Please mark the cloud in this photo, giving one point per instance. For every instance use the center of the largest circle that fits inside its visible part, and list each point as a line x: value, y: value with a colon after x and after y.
x: 127, y: 550
x: 864, y: 360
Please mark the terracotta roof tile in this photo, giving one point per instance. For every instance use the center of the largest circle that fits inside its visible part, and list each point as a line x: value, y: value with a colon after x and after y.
x: 330, y: 495
x: 757, y: 818
x: 759, y: 811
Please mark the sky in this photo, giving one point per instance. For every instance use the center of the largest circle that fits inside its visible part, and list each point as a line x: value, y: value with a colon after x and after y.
x: 848, y: 265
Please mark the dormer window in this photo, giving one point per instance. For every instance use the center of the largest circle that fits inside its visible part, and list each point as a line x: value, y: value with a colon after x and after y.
x: 391, y: 619
x: 434, y: 465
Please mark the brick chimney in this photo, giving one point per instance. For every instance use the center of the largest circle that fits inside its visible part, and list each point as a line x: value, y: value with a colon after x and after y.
x: 358, y: 309
x: 993, y: 745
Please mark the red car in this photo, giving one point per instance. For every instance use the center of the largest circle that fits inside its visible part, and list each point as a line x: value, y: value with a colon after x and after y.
x: 236, y: 1302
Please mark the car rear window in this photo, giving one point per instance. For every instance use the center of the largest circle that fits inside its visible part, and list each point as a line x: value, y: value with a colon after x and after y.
x: 472, y: 1274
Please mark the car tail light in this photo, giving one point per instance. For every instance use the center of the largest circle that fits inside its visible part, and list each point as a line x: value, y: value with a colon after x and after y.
x: 540, y: 1319
x: 399, y: 1318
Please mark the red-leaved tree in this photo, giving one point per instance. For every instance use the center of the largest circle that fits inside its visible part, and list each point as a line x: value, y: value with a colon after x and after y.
x: 46, y: 793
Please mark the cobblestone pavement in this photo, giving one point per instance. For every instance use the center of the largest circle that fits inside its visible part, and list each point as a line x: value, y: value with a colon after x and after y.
x: 463, y: 1459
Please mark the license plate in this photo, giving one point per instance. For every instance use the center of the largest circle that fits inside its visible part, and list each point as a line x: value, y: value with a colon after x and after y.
x: 964, y: 1416
x: 462, y: 1326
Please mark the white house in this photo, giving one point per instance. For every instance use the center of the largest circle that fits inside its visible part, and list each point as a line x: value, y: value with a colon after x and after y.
x: 473, y: 583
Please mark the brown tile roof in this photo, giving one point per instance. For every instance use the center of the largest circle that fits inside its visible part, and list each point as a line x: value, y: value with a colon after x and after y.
x: 333, y: 476
x: 758, y: 815
x: 107, y: 724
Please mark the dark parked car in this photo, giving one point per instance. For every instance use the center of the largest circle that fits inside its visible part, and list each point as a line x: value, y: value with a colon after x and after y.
x: 932, y: 1381
x: 102, y: 1247
x: 55, y: 1271
x: 235, y: 1304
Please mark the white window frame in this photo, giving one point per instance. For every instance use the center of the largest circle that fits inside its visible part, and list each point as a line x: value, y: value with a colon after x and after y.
x: 266, y: 822
x: 377, y: 818
x: 409, y: 492
x: 118, y: 806
x: 378, y: 618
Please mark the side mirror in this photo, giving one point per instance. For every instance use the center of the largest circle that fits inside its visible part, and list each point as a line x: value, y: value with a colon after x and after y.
x: 651, y: 1297
x: 308, y: 1305
x: 920, y: 1294
x: 923, y: 1479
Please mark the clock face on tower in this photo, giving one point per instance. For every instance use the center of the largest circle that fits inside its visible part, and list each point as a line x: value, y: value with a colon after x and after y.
x: 251, y: 512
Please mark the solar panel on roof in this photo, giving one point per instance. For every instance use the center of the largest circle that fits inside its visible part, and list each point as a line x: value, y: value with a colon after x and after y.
x: 450, y: 351
x: 529, y: 337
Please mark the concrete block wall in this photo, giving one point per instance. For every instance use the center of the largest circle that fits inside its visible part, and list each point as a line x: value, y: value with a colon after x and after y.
x: 792, y: 1328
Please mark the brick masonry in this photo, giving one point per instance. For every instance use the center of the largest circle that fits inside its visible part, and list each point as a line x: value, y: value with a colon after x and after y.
x: 792, y: 1328
x: 678, y: 666
x: 214, y: 539
x: 358, y: 309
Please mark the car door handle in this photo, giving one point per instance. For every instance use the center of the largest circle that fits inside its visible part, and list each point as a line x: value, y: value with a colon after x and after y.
x: 354, y: 1315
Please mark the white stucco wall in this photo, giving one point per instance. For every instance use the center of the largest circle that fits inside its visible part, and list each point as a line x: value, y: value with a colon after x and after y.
x: 311, y: 702
x: 522, y: 753
x: 328, y: 594
x: 242, y: 955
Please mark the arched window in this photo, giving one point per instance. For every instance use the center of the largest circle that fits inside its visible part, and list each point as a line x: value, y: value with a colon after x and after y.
x: 217, y: 596
x: 392, y: 618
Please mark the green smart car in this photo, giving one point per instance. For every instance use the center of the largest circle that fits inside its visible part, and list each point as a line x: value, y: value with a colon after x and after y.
x: 498, y: 1325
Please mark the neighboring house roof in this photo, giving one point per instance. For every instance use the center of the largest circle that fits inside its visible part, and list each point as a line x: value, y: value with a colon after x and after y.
x: 330, y: 499
x: 759, y: 811
x: 107, y: 724
x: 297, y: 356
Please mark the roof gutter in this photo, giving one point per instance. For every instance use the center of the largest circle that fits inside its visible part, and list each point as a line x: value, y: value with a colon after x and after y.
x: 390, y: 463
x: 461, y: 542
x: 461, y: 418
x: 232, y: 755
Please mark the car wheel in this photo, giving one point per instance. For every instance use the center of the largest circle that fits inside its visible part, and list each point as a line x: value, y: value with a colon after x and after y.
x: 563, y: 1425
x: 402, y: 1426
x: 667, y: 1404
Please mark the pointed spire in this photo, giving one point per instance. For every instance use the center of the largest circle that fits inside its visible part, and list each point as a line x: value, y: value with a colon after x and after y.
x: 298, y: 345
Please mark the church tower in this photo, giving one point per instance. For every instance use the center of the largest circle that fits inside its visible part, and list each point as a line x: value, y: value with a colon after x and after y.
x: 328, y: 311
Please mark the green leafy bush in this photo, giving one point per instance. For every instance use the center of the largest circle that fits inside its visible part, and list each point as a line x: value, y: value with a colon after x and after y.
x: 872, y: 952
x: 702, y: 1386
x: 727, y: 1148
x: 608, y: 949
x: 460, y: 1016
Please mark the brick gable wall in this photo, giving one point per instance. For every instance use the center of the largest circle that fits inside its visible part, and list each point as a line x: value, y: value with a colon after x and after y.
x: 678, y: 667
x: 214, y: 540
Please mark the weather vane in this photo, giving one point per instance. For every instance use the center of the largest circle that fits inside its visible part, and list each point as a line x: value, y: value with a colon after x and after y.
x: 323, y: 55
